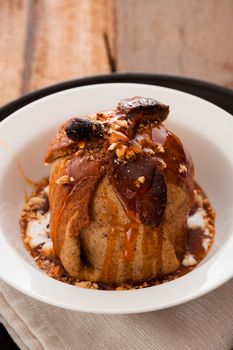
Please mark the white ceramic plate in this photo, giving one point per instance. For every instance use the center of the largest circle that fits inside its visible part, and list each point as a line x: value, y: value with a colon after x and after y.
x: 205, y: 129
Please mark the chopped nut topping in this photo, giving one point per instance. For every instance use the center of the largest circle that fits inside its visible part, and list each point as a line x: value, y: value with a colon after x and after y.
x: 120, y: 152
x: 145, y: 284
x: 71, y: 179
x: 160, y: 148
x: 36, y: 201
x: 148, y: 150
x: 140, y: 180
x: 84, y: 284
x: 122, y: 123
x: 112, y: 146
x: 129, y: 154
x: 198, y: 198
x: 162, y: 164
x: 117, y: 136
x: 63, y: 180
x: 136, y: 147
x: 182, y: 169
x: 116, y: 127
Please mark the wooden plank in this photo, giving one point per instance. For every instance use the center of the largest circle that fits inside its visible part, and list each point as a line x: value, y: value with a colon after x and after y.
x: 189, y: 38
x: 69, y: 41
x: 13, y: 26
x: 44, y: 42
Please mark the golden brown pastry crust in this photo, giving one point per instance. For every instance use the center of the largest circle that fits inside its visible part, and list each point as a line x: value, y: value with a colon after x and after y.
x: 140, y: 234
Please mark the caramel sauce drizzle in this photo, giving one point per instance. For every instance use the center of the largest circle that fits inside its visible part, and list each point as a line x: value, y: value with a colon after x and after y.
x: 58, y: 238
x: 130, y: 240
x: 26, y: 180
x: 113, y: 235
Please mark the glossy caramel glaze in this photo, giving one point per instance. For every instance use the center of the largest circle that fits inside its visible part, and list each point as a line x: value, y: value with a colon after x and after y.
x: 145, y: 200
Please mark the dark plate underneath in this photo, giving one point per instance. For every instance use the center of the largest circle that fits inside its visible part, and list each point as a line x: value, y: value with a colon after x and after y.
x: 218, y: 95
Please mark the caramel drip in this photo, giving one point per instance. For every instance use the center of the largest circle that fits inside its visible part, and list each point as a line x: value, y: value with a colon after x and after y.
x: 174, y: 157
x: 130, y: 241
x: 113, y: 236
x: 160, y: 235
x: 193, y: 243
x: 152, y: 249
x: 58, y: 239
x: 26, y: 179
x: 148, y: 249
x: 128, y: 231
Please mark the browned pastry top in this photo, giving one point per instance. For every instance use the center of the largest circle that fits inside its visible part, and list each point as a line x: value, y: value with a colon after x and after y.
x: 136, y: 151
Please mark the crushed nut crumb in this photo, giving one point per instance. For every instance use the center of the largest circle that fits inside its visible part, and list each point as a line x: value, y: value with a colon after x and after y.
x: 95, y: 285
x: 129, y: 154
x: 110, y: 131
x: 140, y: 180
x: 63, y: 180
x: 198, y: 198
x: 112, y: 146
x: 162, y: 164
x: 120, y: 288
x: 83, y: 284
x: 36, y: 202
x: 122, y: 123
x: 120, y: 152
x: 160, y: 148
x: 148, y: 151
x: 182, y: 169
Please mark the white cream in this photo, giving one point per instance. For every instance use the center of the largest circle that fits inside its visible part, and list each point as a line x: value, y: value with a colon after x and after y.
x: 206, y: 243
x: 189, y: 260
x: 197, y: 220
x: 207, y: 232
x: 48, y: 246
x: 38, y: 231
x: 46, y: 189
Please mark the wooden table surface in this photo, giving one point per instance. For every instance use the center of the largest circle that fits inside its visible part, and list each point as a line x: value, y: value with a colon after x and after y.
x: 43, y: 42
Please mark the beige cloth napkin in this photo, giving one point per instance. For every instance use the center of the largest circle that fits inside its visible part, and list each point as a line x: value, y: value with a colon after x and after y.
x: 205, y: 323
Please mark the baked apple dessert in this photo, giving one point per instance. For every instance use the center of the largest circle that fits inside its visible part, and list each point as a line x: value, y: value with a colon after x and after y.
x: 122, y: 198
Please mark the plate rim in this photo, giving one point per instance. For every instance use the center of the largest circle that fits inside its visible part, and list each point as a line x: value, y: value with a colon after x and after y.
x: 130, y: 77
x: 131, y: 311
